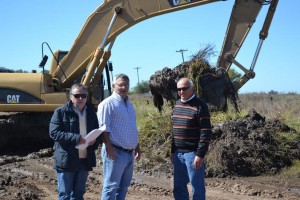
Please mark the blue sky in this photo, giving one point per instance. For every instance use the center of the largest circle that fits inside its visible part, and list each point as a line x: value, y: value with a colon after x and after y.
x: 152, y: 44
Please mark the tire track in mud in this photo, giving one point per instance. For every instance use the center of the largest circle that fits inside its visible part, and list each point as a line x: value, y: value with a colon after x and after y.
x: 32, y: 177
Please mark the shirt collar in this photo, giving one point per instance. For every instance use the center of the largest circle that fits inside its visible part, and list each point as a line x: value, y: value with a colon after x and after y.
x: 117, y: 96
x: 188, y: 99
x: 78, y: 111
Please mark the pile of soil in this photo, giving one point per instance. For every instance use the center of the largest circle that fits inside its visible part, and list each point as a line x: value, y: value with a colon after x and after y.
x: 248, y: 147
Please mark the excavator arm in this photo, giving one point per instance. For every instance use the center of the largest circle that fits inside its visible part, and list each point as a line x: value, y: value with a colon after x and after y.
x: 243, y: 16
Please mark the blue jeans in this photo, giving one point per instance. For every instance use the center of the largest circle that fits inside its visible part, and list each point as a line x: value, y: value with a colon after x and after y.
x: 184, y: 172
x: 117, y: 174
x: 71, y: 184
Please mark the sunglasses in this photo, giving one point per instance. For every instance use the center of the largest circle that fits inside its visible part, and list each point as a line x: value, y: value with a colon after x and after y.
x: 77, y: 96
x: 183, y: 89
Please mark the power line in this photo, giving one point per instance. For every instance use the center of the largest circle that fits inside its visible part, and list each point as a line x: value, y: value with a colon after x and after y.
x: 181, y: 51
x: 137, y: 71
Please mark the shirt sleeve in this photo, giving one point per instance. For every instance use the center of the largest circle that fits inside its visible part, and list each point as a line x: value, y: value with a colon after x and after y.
x: 103, y: 115
x: 205, y: 130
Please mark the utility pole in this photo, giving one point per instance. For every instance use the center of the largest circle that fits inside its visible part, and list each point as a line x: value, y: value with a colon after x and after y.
x: 181, y: 51
x: 137, y: 71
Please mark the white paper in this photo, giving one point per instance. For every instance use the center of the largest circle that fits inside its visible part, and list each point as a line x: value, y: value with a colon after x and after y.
x: 90, y: 137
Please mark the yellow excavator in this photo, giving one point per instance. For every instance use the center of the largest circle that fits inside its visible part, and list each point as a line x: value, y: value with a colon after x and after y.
x: 27, y: 100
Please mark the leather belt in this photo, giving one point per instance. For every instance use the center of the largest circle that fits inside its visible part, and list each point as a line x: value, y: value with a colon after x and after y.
x: 123, y: 149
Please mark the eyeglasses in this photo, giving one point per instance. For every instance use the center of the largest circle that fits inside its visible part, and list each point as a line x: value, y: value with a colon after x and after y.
x: 183, y: 89
x: 77, y: 96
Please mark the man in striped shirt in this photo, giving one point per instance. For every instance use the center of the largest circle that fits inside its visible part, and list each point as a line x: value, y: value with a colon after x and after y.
x: 191, y: 137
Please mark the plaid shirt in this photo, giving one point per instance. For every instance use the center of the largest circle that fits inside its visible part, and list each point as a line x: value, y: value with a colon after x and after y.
x: 120, y: 120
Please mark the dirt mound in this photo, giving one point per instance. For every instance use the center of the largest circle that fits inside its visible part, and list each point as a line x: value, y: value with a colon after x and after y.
x: 248, y: 147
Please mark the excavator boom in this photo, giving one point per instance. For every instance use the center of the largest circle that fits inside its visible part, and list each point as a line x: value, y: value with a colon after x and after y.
x: 106, y: 23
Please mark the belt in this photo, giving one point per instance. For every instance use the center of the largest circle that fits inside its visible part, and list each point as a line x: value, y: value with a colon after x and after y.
x: 123, y: 149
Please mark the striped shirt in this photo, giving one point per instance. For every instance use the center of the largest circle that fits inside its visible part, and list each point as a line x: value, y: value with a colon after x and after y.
x: 120, y: 120
x: 191, y: 126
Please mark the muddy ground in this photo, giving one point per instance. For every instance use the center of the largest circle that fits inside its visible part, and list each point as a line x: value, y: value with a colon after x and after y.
x: 234, y: 172
x: 32, y: 177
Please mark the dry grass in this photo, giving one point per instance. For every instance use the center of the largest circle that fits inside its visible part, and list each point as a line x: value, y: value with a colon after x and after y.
x: 284, y: 107
x: 292, y: 172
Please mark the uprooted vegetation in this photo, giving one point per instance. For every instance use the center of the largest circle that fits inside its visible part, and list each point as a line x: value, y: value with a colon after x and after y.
x: 215, y: 88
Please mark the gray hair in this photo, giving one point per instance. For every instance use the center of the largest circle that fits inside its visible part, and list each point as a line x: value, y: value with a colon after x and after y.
x: 123, y: 76
x: 190, y: 81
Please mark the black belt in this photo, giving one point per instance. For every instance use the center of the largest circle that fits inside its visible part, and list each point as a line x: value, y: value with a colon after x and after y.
x: 123, y: 149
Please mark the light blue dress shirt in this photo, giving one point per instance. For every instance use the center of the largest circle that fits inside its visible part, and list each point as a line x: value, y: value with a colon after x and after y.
x: 120, y: 120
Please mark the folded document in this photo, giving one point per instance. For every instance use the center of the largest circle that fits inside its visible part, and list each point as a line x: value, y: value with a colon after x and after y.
x: 90, y: 137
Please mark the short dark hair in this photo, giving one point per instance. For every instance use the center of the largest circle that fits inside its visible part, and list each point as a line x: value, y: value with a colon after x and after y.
x: 123, y: 76
x: 78, y: 85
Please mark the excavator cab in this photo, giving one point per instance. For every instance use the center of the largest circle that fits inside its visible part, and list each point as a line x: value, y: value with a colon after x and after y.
x: 99, y: 92
x: 29, y: 99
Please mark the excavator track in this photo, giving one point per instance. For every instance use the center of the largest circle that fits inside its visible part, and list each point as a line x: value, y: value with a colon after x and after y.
x: 24, y: 131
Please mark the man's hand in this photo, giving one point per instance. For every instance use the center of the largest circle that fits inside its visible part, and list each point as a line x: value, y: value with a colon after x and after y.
x: 172, y: 157
x: 109, y: 148
x: 111, y: 153
x: 137, y: 153
x: 82, y: 140
x: 198, y: 162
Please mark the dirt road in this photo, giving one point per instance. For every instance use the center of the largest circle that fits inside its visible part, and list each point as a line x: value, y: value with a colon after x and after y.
x: 32, y: 177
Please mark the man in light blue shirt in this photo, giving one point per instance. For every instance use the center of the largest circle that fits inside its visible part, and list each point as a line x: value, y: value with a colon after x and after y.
x: 120, y: 138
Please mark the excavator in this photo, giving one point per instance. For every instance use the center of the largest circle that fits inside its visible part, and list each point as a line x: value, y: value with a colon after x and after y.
x: 27, y: 100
